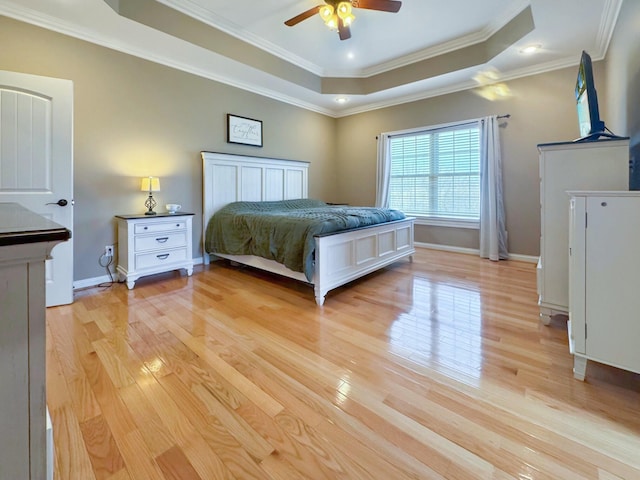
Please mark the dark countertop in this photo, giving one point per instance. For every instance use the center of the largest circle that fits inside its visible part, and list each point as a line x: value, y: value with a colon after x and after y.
x: 19, y: 225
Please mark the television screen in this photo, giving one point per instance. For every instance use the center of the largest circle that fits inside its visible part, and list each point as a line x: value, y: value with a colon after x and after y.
x: 591, y: 127
x: 584, y: 119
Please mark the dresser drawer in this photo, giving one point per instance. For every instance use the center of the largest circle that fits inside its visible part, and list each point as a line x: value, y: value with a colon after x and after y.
x: 155, y: 259
x: 162, y: 240
x: 154, y: 227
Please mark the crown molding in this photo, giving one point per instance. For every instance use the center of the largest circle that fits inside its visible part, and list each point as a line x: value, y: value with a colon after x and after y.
x: 460, y: 87
x: 607, y: 25
x: 216, y: 21
x: 461, y: 42
x: 48, y: 22
x: 610, y: 14
x: 411, y: 58
x: 55, y: 24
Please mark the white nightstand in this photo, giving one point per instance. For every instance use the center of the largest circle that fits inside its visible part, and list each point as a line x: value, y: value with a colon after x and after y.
x: 149, y: 244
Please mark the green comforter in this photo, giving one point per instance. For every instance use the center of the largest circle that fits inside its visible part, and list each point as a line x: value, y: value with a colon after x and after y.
x: 283, y: 231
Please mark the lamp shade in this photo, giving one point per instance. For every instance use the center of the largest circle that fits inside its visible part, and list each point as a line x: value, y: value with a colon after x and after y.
x: 150, y: 184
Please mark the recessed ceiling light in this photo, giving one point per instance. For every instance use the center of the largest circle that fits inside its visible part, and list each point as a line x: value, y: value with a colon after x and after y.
x: 342, y: 100
x: 529, y: 49
x: 350, y: 55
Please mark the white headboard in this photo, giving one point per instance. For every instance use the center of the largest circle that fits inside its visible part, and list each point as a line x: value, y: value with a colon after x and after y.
x: 232, y: 178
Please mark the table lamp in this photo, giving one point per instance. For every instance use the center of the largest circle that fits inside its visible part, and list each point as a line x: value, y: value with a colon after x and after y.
x: 150, y: 184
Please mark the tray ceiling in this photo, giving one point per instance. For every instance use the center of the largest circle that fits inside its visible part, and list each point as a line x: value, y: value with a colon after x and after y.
x: 428, y: 48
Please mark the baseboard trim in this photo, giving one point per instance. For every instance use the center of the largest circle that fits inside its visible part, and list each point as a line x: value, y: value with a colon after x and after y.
x: 92, y: 282
x: 523, y: 258
x: 474, y: 251
x: 447, y: 248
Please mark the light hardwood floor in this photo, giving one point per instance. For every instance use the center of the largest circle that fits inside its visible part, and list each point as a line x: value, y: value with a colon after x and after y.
x: 433, y: 369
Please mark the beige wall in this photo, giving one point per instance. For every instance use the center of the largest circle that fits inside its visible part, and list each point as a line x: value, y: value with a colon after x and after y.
x: 134, y: 118
x: 622, y: 91
x: 542, y: 110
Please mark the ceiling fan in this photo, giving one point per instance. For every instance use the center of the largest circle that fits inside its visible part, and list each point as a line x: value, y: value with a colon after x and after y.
x: 337, y: 13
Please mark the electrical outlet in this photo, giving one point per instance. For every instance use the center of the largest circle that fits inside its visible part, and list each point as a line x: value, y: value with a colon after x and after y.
x: 108, y: 251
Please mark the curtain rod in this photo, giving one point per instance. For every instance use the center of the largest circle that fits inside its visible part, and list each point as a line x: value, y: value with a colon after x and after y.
x: 506, y: 115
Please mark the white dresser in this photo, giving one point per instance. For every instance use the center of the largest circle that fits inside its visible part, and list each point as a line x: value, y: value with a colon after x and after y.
x: 153, y: 244
x: 601, y: 165
x: 26, y: 241
x: 604, y: 319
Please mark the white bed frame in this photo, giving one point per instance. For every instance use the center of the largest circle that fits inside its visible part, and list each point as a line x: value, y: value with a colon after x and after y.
x: 340, y: 257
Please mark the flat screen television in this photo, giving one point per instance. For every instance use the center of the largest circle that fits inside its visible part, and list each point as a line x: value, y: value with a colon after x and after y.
x: 591, y: 127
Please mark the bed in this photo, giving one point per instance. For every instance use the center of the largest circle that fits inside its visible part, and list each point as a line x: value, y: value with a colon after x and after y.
x: 339, y: 257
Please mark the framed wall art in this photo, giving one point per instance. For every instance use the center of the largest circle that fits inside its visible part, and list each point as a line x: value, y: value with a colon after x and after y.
x: 245, y: 131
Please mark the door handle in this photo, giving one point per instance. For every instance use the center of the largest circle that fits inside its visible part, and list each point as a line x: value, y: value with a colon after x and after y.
x: 62, y: 203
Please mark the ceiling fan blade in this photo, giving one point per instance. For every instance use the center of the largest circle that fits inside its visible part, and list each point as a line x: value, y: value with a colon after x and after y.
x: 343, y: 30
x: 303, y: 16
x: 382, y: 5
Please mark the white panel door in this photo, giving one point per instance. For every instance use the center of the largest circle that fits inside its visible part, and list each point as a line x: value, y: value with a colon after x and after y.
x: 36, y: 162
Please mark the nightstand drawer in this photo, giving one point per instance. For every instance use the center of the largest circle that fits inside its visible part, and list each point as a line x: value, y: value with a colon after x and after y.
x: 162, y: 240
x: 149, y: 227
x: 155, y: 259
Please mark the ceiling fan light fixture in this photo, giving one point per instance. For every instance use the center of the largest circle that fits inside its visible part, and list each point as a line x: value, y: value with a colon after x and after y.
x: 326, y: 12
x: 344, y: 10
x: 332, y: 22
x: 338, y: 14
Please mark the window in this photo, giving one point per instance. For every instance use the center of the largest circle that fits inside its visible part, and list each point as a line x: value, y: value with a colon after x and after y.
x: 435, y: 173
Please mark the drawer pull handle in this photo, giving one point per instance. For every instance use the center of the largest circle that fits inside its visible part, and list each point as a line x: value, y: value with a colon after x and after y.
x: 146, y: 228
x: 164, y: 256
x: 162, y: 239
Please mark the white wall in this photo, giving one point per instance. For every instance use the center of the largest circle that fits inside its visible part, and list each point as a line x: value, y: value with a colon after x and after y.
x: 621, y: 95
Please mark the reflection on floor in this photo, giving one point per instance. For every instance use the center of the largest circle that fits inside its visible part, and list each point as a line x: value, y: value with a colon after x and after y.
x: 443, y: 326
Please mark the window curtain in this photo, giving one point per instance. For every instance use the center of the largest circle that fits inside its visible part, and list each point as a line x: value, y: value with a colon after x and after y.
x: 384, y: 172
x: 493, y: 235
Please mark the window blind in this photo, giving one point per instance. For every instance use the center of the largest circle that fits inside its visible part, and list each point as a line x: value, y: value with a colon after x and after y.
x: 436, y: 173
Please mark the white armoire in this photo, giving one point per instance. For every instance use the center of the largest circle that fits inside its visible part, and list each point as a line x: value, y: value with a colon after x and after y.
x: 598, y: 165
x: 604, y: 278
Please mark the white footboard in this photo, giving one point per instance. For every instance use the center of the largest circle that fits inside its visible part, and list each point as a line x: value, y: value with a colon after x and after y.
x: 343, y: 257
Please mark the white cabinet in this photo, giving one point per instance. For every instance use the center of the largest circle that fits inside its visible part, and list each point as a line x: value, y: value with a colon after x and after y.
x: 604, y: 319
x: 153, y: 244
x: 601, y: 165
x: 26, y: 241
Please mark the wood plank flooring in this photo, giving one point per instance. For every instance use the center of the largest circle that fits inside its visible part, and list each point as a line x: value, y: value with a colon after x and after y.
x: 427, y: 370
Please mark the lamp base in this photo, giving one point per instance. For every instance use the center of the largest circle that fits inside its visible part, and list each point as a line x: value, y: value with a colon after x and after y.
x: 150, y: 203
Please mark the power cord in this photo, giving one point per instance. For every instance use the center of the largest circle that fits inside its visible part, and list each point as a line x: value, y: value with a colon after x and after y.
x: 106, y: 265
x: 607, y: 130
